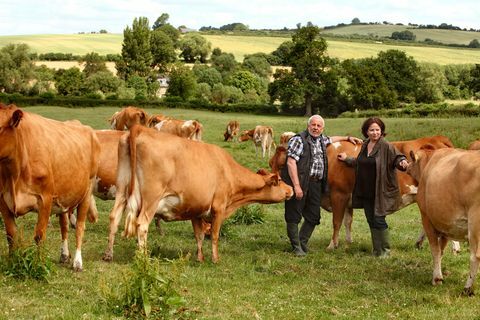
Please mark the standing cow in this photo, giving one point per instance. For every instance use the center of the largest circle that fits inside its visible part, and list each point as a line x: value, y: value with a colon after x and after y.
x: 449, y: 201
x: 181, y: 179
x: 46, y: 164
x: 127, y: 117
x: 262, y: 136
x: 232, y: 130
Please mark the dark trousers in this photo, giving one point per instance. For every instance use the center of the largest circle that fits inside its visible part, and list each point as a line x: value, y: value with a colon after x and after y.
x: 374, y: 221
x: 308, y: 207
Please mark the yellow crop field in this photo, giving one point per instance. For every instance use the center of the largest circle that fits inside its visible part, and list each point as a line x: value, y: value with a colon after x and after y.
x: 241, y: 45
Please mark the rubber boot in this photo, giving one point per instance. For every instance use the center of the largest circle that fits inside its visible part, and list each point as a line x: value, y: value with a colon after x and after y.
x: 292, y: 232
x: 380, y: 243
x: 305, y: 233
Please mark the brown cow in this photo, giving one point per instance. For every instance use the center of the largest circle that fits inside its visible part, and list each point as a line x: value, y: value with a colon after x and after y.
x: 181, y: 179
x: 127, y: 117
x: 262, y: 136
x: 475, y: 145
x: 45, y: 165
x: 190, y: 129
x: 448, y: 198
x: 341, y: 181
x: 285, y: 137
x: 232, y: 130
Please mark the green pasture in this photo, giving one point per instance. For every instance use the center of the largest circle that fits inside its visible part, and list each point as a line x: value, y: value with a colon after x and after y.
x: 242, y: 45
x: 257, y: 278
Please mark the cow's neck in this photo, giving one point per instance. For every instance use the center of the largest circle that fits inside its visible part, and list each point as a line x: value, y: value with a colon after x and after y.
x: 247, y: 189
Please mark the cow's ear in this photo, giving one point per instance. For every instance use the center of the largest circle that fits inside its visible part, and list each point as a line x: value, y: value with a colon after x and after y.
x: 273, y: 180
x: 16, y: 117
x: 262, y: 172
x: 427, y: 146
x: 413, y: 156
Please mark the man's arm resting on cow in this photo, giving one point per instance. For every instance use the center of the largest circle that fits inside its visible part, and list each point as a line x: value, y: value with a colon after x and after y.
x: 351, y: 139
x: 293, y: 172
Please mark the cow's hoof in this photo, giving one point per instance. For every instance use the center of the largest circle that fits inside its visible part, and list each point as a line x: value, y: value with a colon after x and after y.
x: 64, y: 258
x: 437, y: 281
x: 418, y: 245
x: 332, y: 246
x: 78, y: 268
x: 468, y: 292
x: 107, y: 257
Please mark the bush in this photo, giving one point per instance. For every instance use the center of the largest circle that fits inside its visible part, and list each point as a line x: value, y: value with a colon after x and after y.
x: 250, y: 214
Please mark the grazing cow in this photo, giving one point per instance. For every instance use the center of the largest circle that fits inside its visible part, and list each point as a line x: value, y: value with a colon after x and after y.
x: 153, y: 120
x: 262, y: 136
x: 232, y: 130
x: 127, y: 117
x: 285, y: 137
x: 190, y: 129
x: 181, y: 179
x: 47, y: 166
x: 448, y: 198
x: 475, y: 145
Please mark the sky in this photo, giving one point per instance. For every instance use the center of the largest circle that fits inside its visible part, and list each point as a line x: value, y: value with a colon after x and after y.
x: 23, y: 17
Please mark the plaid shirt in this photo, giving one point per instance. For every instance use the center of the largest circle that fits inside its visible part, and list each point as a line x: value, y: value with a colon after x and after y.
x: 295, y: 150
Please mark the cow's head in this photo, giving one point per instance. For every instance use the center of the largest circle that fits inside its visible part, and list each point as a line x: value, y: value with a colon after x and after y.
x: 246, y: 135
x: 153, y: 120
x: 10, y: 117
x: 419, y: 161
x: 278, y: 190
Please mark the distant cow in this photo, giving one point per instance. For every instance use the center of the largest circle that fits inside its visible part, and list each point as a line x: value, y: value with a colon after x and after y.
x: 475, y: 145
x: 181, y: 179
x: 232, y: 130
x: 262, y: 136
x: 285, y: 137
x: 448, y: 198
x: 189, y: 129
x: 45, y: 165
x: 127, y: 117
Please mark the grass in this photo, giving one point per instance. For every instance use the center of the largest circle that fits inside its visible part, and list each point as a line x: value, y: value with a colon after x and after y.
x: 257, y: 278
x: 242, y: 45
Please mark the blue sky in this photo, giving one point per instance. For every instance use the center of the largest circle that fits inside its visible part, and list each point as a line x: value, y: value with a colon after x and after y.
x: 72, y: 16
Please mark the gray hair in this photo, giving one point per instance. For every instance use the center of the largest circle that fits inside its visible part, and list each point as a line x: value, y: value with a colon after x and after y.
x: 315, y: 116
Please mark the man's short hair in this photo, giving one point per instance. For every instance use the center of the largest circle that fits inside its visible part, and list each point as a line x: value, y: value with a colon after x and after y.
x: 315, y: 116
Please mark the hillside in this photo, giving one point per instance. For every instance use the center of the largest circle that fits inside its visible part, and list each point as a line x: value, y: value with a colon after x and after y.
x: 241, y: 45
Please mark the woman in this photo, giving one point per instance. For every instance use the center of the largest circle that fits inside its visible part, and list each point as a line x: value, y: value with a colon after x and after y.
x: 376, y: 187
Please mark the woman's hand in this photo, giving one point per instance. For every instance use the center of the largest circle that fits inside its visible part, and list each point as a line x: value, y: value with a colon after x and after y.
x: 403, y: 164
x: 342, y: 156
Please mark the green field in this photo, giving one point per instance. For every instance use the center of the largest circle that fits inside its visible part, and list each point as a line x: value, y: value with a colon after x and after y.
x: 257, y: 278
x: 242, y: 45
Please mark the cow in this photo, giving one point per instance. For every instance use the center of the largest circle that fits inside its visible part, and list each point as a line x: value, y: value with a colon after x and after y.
x: 341, y: 180
x: 448, y: 189
x: 153, y: 120
x: 181, y: 179
x: 232, y: 130
x: 127, y: 117
x: 46, y: 166
x: 285, y: 137
x: 475, y: 145
x: 262, y: 136
x: 189, y: 129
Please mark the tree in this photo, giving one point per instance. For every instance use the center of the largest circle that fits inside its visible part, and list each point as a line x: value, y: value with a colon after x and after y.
x: 93, y: 63
x: 171, y: 32
x: 16, y: 68
x: 474, y: 44
x: 136, y: 52
x: 433, y: 84
x: 206, y: 74
x: 194, y: 47
x: 404, y: 35
x: 225, y: 63
x: 258, y: 64
x: 70, y: 82
x: 182, y: 82
x: 161, y: 21
x: 236, y: 26
x: 310, y: 64
x: 163, y: 50
x: 355, y: 21
x: 283, y: 52
x: 245, y: 81
x: 103, y: 81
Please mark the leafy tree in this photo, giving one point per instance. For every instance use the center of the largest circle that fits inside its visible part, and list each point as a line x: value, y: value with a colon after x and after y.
x: 93, y: 63
x: 182, y: 82
x: 475, y: 79
x: 310, y: 64
x: 44, y: 77
x: 163, y: 50
x: 16, y: 68
x: 206, y: 74
x: 284, y: 88
x: 203, y: 92
x: 355, y: 21
x: 283, y: 53
x: 171, y: 32
x: 103, y: 81
x: 226, y: 94
x: 136, y: 51
x: 139, y: 85
x: 403, y: 35
x: 258, y: 64
x: 474, y: 44
x: 236, y: 26
x: 194, y: 47
x: 433, y: 84
x: 225, y: 63
x: 70, y: 82
x: 161, y: 21
x: 245, y: 81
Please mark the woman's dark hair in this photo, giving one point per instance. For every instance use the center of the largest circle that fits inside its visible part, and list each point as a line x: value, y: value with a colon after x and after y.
x: 367, y: 123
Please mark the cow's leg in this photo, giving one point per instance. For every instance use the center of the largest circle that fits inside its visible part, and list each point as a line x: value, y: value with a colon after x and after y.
x: 72, y: 218
x: 435, y: 249
x: 43, y: 217
x: 216, y: 225
x: 347, y: 222
x: 474, y: 243
x: 144, y: 219
x: 456, y: 247
x: 92, y: 210
x: 158, y: 225
x: 63, y: 219
x: 82, y: 210
x: 115, y: 217
x: 10, y: 226
x: 199, y: 236
x: 420, y: 239
x: 339, y: 203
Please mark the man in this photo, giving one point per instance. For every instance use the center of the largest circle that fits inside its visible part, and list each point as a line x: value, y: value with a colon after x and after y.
x: 306, y: 171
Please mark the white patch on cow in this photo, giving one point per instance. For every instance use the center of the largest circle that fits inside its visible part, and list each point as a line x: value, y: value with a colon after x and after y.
x: 164, y: 208
x: 187, y: 124
x: 77, y: 262
x: 413, y: 189
x: 336, y: 145
x: 112, y: 191
x: 64, y: 249
x: 114, y: 124
x: 159, y: 125
x: 207, y: 214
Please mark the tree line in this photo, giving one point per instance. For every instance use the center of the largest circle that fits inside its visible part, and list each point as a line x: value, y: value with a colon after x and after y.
x: 308, y: 80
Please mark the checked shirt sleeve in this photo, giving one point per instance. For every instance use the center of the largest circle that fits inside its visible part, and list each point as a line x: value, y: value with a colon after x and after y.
x: 295, y: 148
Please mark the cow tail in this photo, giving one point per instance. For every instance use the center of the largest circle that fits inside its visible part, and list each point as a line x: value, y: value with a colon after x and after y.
x: 133, y: 198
